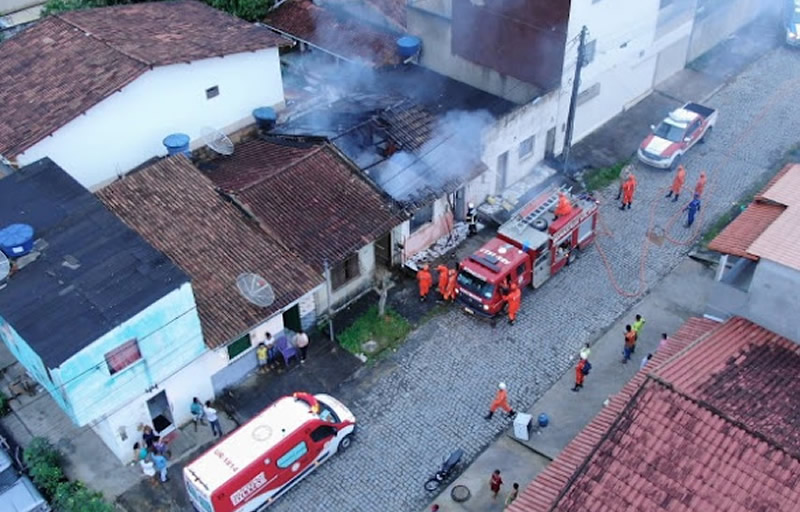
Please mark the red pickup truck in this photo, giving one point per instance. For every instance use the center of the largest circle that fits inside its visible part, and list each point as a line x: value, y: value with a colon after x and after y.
x: 680, y: 130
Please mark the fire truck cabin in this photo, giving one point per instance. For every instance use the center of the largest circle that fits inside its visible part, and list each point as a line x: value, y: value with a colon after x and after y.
x: 530, y: 247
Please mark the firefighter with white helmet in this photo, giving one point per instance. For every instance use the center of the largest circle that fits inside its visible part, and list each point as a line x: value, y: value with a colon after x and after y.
x: 500, y: 402
x: 472, y: 219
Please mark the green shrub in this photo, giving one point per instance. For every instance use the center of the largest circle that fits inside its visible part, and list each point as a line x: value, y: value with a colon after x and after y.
x: 387, y: 331
x: 39, y: 451
x: 597, y: 179
x: 4, y: 407
x: 76, y: 497
x: 44, y: 463
x: 46, y: 477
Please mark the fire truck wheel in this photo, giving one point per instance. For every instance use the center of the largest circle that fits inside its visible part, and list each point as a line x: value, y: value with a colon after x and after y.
x: 345, y: 443
x: 573, y: 255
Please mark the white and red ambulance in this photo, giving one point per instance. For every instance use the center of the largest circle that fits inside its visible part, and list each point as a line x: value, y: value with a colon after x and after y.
x: 266, y: 456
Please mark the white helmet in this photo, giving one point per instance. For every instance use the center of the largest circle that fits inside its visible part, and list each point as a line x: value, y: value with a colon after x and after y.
x: 471, y: 205
x: 502, y: 385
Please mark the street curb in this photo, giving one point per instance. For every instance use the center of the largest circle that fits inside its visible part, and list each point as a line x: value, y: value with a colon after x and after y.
x: 510, y: 433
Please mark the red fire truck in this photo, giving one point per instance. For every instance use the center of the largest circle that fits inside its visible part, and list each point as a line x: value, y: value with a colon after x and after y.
x: 266, y: 456
x: 528, y: 249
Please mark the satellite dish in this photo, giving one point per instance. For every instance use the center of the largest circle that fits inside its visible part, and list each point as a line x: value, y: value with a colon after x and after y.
x: 217, y: 141
x: 5, y: 266
x: 255, y: 289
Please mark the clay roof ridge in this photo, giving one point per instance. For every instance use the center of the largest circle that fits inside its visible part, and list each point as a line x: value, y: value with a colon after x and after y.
x: 266, y: 176
x: 103, y: 41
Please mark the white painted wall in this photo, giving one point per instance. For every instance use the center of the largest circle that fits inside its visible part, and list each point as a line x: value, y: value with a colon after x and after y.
x: 506, y: 134
x: 120, y: 429
x: 623, y: 65
x: 354, y: 287
x: 127, y: 128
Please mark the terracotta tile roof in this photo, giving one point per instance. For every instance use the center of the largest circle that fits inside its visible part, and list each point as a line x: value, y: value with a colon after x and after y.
x: 50, y: 74
x: 175, y: 208
x: 541, y: 494
x: 160, y: 33
x: 784, y: 170
x: 748, y: 373
x: 711, y: 429
x: 307, y: 195
x: 770, y: 226
x: 335, y: 32
x: 60, y: 67
x: 394, y: 10
x: 739, y: 235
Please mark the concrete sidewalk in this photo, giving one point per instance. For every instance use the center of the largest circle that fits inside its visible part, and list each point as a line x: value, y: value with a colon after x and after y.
x: 680, y: 295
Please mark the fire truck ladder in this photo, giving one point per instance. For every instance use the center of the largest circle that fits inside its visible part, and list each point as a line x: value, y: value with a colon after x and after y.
x: 523, y: 222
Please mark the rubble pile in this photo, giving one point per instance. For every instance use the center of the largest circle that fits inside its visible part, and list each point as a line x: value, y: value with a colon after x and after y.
x: 442, y: 246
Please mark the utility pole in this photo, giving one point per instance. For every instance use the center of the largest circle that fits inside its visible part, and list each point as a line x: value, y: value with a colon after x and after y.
x: 573, y: 100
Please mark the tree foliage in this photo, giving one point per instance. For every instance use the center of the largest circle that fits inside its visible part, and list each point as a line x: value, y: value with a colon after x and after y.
x: 44, y: 463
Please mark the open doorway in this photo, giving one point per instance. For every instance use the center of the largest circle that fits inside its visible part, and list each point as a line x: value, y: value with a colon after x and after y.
x: 550, y: 143
x: 383, y: 250
x: 291, y: 319
x: 161, y: 414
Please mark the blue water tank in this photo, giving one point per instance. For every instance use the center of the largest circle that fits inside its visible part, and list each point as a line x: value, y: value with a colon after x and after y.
x: 177, y: 143
x: 544, y: 420
x: 408, y: 46
x: 16, y: 240
x: 265, y: 117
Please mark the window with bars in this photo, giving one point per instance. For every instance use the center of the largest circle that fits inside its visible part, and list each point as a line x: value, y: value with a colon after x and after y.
x: 345, y: 272
x: 589, y: 93
x: 421, y: 217
x: 238, y: 347
x: 123, y: 356
x: 526, y: 147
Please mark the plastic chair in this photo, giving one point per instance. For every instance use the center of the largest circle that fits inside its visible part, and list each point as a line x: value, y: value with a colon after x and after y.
x: 287, y: 350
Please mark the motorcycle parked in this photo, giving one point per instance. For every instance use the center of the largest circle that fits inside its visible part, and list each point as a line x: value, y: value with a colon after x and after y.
x: 448, y: 468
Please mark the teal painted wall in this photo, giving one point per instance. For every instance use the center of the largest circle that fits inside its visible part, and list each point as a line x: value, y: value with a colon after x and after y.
x: 169, y: 337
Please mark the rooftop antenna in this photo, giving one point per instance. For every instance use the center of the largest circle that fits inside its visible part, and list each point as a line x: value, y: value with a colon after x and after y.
x: 255, y: 289
x: 5, y: 267
x: 217, y: 141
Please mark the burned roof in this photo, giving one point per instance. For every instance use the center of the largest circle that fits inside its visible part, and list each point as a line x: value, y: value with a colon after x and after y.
x: 710, y: 427
x: 176, y: 208
x: 307, y: 195
x: 65, y: 64
x: 414, y: 132
x: 92, y: 274
x: 336, y: 32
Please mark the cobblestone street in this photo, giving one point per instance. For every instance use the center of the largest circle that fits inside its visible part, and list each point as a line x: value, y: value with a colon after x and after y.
x: 439, y: 384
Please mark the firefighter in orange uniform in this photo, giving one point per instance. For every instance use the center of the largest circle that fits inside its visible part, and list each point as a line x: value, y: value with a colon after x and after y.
x: 701, y: 185
x: 513, y: 300
x: 628, y: 188
x: 425, y: 281
x: 677, y: 183
x: 442, y: 271
x: 500, y: 402
x: 450, y: 291
x: 564, y: 206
